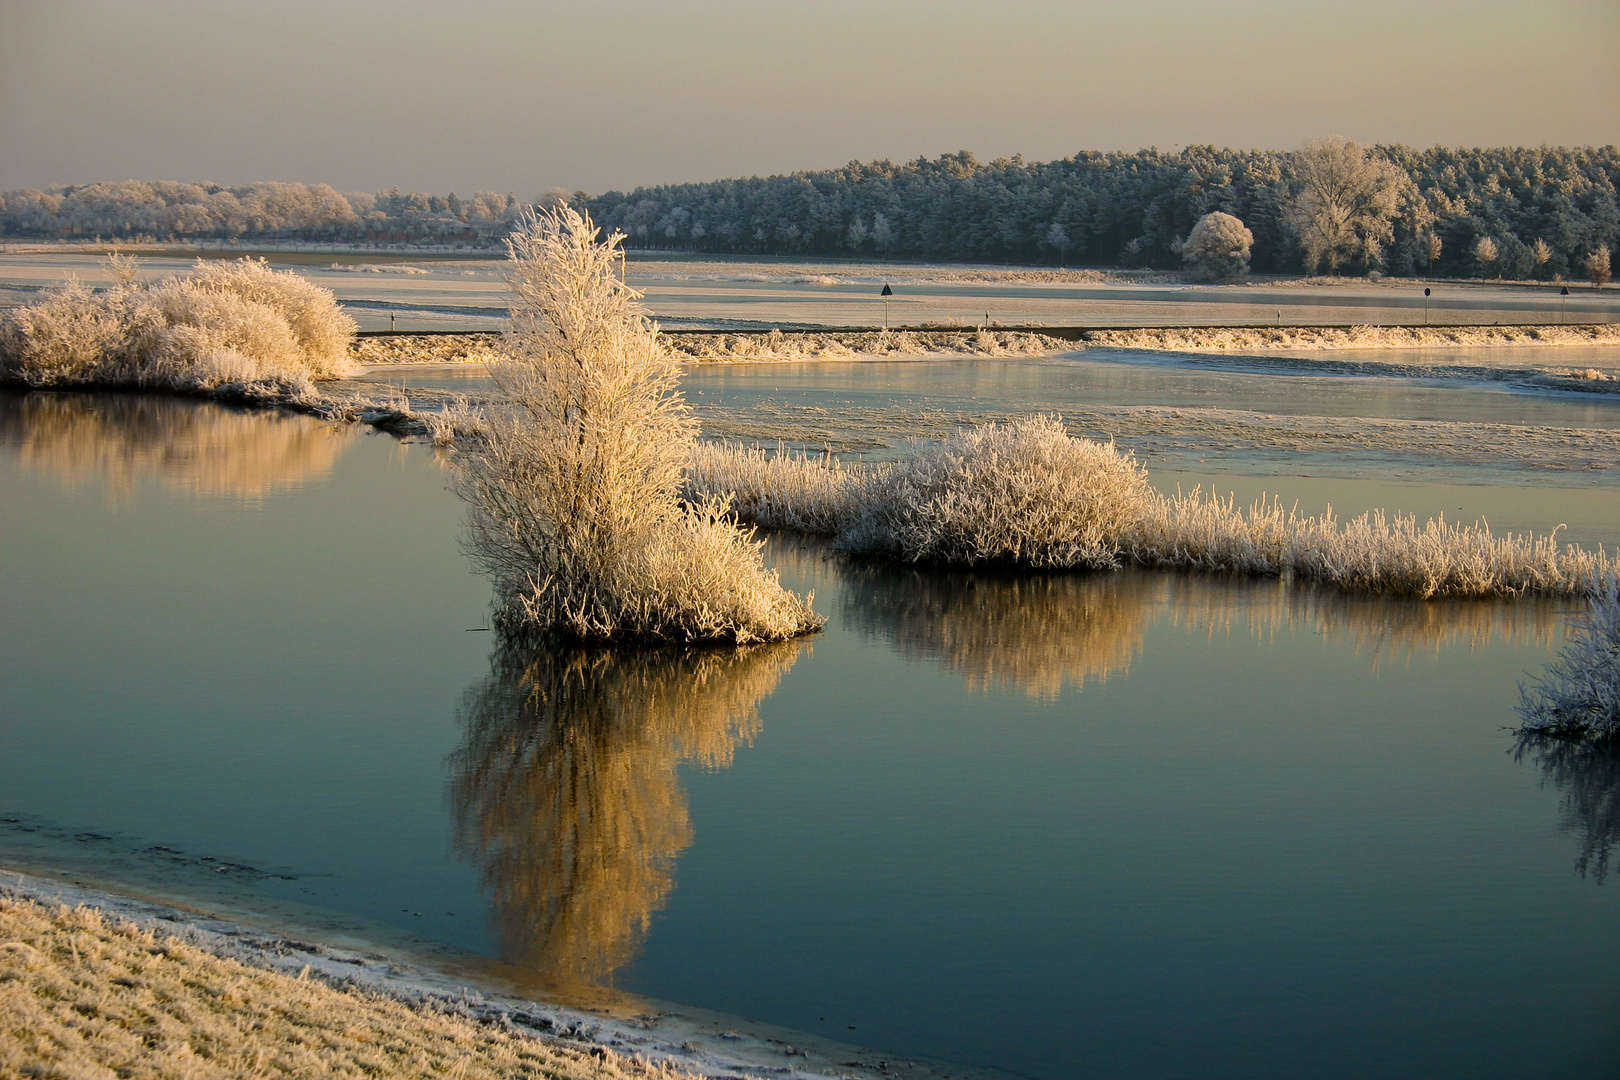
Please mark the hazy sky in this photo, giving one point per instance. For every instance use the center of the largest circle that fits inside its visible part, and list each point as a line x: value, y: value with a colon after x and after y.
x: 524, y: 96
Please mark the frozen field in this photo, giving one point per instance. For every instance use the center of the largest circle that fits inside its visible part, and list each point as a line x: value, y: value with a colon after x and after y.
x: 722, y: 294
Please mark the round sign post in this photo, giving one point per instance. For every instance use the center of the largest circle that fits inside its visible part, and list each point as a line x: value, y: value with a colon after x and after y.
x: 1426, y: 292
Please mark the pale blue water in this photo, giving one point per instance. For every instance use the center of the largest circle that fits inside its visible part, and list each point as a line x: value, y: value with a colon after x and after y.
x: 1117, y: 826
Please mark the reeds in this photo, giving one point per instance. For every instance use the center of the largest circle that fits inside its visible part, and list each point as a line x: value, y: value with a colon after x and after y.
x: 1250, y: 338
x: 794, y: 492
x: 224, y: 324
x: 574, y: 490
x: 1372, y: 553
x: 1027, y: 494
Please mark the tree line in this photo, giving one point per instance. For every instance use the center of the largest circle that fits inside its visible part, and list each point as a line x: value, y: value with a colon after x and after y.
x: 167, y: 210
x: 1331, y: 206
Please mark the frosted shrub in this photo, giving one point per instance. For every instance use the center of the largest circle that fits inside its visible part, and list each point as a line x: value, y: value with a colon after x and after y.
x: 323, y: 333
x: 62, y: 339
x: 1217, y: 249
x: 1578, y: 696
x: 1025, y: 493
x: 225, y: 323
x: 574, y: 493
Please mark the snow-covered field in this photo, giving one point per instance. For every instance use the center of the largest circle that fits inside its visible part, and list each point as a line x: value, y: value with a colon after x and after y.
x: 431, y: 293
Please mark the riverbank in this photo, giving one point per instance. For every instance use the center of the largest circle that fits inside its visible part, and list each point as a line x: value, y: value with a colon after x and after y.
x: 399, y: 349
x: 92, y: 980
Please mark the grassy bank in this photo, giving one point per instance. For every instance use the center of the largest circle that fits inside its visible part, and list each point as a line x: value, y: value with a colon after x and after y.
x: 868, y: 344
x: 1263, y: 338
x: 83, y: 994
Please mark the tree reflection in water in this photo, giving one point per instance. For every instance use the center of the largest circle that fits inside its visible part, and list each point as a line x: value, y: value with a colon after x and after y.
x: 1587, y: 774
x: 194, y: 446
x: 566, y: 794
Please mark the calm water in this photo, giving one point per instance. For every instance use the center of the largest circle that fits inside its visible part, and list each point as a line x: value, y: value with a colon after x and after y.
x: 1118, y: 826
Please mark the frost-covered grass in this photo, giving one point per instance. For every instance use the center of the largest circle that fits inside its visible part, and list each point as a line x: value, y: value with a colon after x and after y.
x: 1028, y: 494
x: 84, y: 995
x: 773, y: 489
x: 224, y: 324
x: 428, y: 349
x: 1578, y: 695
x: 574, y: 490
x: 855, y: 345
x: 1251, y: 338
x: 819, y: 345
x: 1371, y: 553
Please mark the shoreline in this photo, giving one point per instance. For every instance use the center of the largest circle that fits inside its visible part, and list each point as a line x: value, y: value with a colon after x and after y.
x: 651, y: 1037
x: 456, y: 349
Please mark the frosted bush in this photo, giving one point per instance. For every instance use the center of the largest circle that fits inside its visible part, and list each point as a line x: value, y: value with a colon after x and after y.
x: 1217, y: 249
x: 574, y: 492
x: 1024, y: 493
x: 225, y: 323
x: 322, y: 331
x: 62, y: 339
x: 1578, y: 695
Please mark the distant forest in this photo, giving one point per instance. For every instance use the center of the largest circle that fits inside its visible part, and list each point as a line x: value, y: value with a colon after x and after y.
x: 168, y: 210
x: 1480, y: 213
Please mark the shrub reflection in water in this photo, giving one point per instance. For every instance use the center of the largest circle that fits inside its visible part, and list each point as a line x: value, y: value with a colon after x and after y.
x: 192, y: 446
x: 1587, y: 775
x: 565, y: 791
x: 1041, y: 632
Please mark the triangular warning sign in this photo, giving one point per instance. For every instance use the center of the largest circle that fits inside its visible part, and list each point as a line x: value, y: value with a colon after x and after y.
x: 886, y: 291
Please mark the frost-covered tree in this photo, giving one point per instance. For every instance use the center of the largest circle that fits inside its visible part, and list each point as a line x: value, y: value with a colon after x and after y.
x: 1485, y: 254
x: 1597, y: 267
x: 1345, y: 202
x: 1058, y: 237
x: 882, y: 233
x: 1540, y: 253
x: 1434, y: 246
x: 574, y: 493
x: 856, y: 236
x: 1217, y: 249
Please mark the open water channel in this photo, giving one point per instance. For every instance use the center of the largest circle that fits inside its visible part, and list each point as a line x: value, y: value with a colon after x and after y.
x: 1114, y: 825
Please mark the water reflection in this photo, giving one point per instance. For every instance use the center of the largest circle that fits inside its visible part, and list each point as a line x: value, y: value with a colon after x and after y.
x: 1587, y: 775
x: 565, y: 791
x: 1040, y: 633
x: 1037, y: 633
x: 1380, y: 629
x: 194, y: 446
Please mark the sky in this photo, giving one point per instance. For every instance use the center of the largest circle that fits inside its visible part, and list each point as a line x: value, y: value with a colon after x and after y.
x: 526, y: 95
